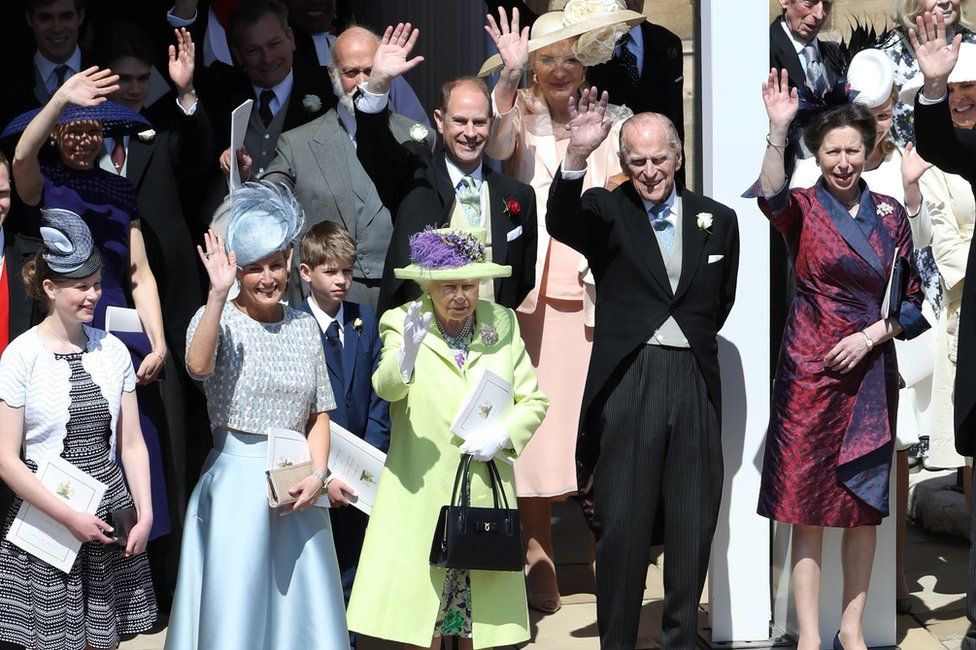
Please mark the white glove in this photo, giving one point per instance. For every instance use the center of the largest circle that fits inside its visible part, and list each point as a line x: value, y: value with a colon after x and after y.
x: 485, y: 444
x: 415, y: 328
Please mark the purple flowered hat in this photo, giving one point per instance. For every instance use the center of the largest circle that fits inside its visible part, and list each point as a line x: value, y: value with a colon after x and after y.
x: 450, y: 254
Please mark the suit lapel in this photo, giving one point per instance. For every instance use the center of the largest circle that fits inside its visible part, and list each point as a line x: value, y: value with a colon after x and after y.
x: 693, y: 241
x: 137, y: 159
x: 500, y: 224
x: 783, y: 47
x: 848, y: 228
x: 444, y: 187
x: 350, y: 313
x: 644, y: 239
x: 329, y: 153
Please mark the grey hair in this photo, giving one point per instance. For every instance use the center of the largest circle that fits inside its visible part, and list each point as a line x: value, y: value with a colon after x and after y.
x: 256, y: 212
x: 643, y: 119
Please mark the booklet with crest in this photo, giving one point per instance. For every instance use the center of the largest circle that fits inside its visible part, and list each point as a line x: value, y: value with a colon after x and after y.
x: 357, y: 463
x: 351, y: 458
x: 46, y: 539
x: 487, y: 403
x: 287, y: 448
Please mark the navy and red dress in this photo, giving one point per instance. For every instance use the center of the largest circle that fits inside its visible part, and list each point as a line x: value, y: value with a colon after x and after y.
x: 831, y: 435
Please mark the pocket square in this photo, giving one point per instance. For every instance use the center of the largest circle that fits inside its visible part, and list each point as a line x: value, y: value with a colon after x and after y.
x: 715, y: 258
x: 514, y: 233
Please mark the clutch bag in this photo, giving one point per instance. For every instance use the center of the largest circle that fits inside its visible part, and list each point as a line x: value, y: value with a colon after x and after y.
x: 282, y: 479
x: 486, y: 539
x: 122, y: 520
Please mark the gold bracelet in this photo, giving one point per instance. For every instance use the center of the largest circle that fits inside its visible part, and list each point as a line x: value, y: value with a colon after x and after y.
x: 773, y: 144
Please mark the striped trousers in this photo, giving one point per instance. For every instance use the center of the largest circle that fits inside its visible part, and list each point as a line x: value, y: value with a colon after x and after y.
x: 660, y: 449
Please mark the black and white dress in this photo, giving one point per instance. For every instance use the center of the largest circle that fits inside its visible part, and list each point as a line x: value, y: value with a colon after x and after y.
x: 71, y: 407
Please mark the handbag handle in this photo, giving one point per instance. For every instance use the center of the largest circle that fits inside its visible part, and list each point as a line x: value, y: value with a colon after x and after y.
x: 462, y: 479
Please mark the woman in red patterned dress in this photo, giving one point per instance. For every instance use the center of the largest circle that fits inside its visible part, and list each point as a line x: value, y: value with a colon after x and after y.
x: 834, y: 404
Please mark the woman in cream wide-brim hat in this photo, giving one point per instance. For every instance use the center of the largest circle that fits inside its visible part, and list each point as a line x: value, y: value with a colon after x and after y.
x: 530, y: 132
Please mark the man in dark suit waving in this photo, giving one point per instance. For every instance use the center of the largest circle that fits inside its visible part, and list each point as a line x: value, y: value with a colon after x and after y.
x: 665, y: 261
x: 455, y: 188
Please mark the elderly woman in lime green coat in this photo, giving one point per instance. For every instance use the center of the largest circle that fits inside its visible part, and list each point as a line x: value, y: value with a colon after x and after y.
x: 434, y: 352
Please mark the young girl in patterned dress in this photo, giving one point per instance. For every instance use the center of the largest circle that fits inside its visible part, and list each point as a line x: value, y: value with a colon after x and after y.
x: 67, y: 390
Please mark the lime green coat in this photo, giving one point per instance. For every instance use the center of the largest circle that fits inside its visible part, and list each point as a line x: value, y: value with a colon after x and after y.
x: 397, y: 593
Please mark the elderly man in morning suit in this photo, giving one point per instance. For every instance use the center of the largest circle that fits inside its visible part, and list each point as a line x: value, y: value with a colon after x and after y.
x: 665, y: 261
x: 318, y: 161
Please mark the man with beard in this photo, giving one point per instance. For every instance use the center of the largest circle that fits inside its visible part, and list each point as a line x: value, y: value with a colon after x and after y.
x: 318, y: 162
x: 313, y: 22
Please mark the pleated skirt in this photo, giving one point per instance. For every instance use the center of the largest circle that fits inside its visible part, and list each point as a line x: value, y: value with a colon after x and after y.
x: 248, y: 577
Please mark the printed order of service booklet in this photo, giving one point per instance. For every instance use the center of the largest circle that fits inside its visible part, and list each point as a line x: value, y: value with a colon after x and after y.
x: 40, y: 535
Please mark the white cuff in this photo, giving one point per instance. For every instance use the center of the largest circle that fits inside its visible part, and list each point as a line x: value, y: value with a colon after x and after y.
x: 371, y: 103
x: 925, y: 101
x: 176, y: 21
x: 190, y: 111
x: 572, y: 174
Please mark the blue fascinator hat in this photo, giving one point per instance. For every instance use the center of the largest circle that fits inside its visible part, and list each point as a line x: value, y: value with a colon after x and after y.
x: 261, y: 218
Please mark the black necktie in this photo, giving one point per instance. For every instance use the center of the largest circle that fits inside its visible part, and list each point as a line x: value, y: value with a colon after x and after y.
x: 333, y: 346
x: 60, y: 73
x: 264, y: 108
x: 628, y: 60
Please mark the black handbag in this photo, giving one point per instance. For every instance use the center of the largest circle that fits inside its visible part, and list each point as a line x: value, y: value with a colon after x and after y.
x: 486, y: 539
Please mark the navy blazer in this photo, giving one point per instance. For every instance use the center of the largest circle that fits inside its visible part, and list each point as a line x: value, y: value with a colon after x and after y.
x: 358, y: 408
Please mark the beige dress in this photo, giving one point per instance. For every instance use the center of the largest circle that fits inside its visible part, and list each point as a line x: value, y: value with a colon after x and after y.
x: 953, y: 210
x: 553, y: 318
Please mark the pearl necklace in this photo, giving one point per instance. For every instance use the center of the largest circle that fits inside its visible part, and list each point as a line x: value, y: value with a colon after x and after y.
x: 459, y: 344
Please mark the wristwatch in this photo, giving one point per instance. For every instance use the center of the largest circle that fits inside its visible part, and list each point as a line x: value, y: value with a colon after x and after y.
x: 867, y: 340
x: 322, y: 476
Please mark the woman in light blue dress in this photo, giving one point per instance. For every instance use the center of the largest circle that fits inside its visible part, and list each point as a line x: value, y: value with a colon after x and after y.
x: 250, y: 576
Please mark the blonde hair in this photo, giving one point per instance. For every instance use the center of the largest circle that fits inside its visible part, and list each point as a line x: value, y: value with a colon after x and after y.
x: 906, y: 11
x: 326, y: 242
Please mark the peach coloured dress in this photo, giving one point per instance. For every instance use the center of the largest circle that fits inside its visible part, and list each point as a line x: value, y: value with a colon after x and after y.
x: 556, y: 316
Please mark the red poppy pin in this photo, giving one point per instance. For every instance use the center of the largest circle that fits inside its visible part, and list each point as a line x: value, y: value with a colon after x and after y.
x: 512, y: 209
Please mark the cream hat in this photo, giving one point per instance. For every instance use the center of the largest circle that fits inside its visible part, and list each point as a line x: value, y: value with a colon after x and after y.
x: 872, y: 75
x: 598, y: 23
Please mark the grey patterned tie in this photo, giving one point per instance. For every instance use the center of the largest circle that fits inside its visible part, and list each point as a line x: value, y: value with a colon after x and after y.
x: 816, y: 77
x: 663, y: 228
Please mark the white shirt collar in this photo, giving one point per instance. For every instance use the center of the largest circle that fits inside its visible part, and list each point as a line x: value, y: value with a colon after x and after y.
x: 798, y: 45
x: 282, y: 91
x: 457, y: 175
x: 323, y: 319
x: 323, y: 47
x: 46, y: 67
x: 671, y: 202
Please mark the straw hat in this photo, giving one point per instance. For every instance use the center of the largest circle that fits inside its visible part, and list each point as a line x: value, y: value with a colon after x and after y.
x: 450, y: 254
x: 598, y: 23
x: 964, y: 70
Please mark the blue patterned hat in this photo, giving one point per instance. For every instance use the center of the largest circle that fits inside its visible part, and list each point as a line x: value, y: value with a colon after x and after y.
x: 116, y: 119
x: 262, y: 218
x: 68, y: 246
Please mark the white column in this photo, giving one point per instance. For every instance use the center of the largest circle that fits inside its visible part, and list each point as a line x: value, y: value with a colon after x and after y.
x: 734, y: 56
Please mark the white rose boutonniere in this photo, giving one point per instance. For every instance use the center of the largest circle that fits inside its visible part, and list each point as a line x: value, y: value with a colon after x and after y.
x: 418, y: 132
x: 146, y: 136
x: 704, y: 221
x: 311, y: 103
x: 357, y: 324
x: 884, y: 209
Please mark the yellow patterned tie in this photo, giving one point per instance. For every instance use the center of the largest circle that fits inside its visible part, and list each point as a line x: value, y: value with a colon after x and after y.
x: 470, y: 199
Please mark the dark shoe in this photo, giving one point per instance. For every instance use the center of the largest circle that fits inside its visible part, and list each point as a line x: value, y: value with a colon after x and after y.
x: 903, y: 605
x: 837, y: 643
x: 545, y: 603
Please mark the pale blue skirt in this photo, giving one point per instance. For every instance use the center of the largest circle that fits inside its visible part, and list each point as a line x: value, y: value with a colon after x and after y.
x: 248, y: 577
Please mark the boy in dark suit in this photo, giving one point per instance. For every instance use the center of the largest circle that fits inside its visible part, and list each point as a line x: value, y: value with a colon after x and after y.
x: 350, y: 335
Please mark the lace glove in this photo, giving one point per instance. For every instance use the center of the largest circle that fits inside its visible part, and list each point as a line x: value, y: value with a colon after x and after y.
x: 484, y: 445
x: 415, y: 328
